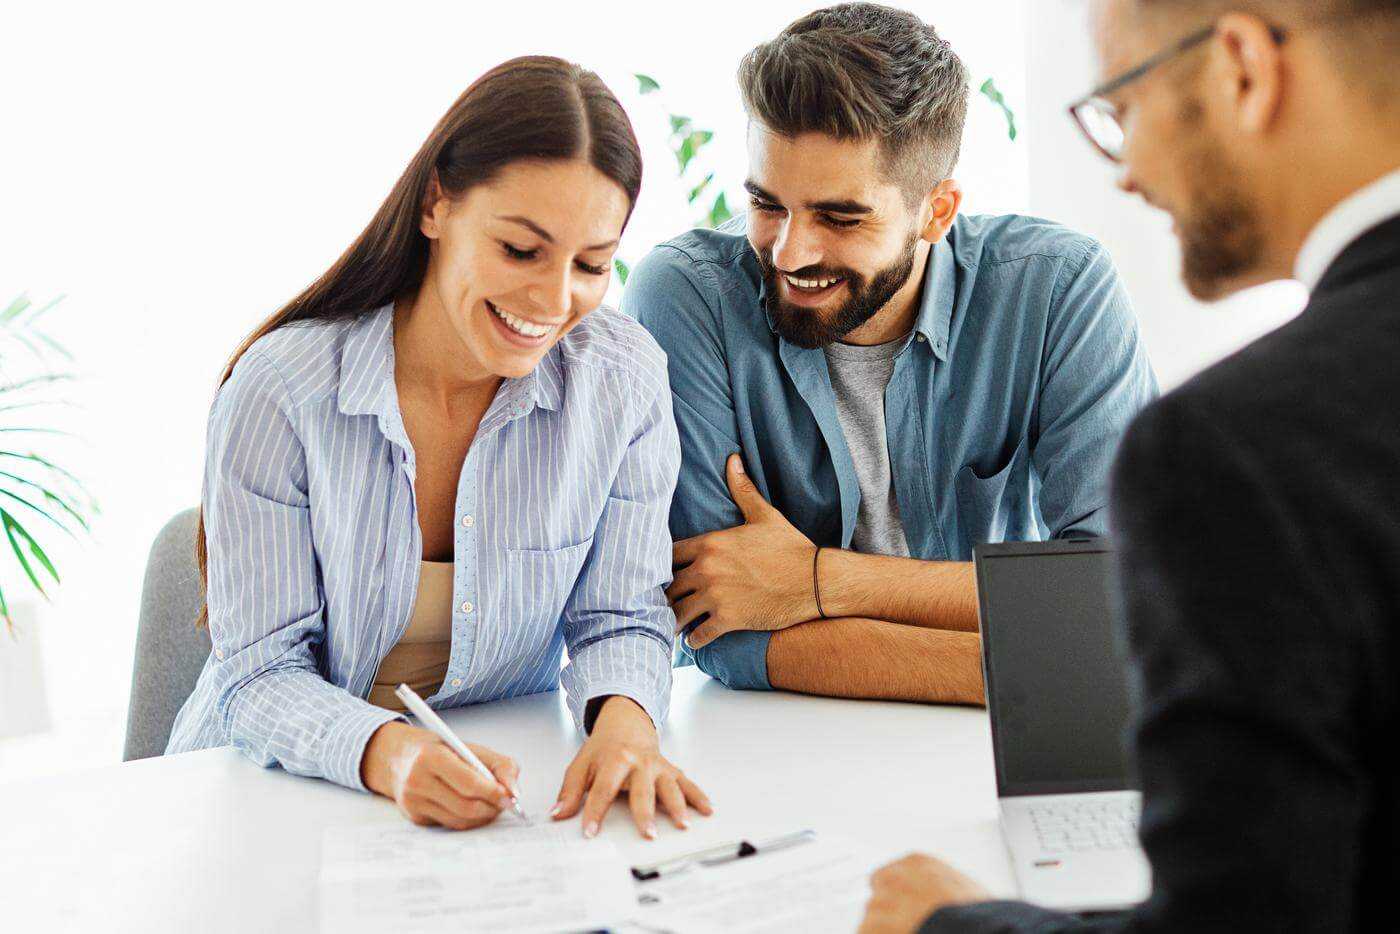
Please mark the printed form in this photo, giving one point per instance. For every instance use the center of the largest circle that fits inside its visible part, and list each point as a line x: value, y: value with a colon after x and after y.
x: 512, y: 878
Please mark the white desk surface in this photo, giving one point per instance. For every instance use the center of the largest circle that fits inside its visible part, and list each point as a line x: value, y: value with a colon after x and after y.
x: 209, y: 841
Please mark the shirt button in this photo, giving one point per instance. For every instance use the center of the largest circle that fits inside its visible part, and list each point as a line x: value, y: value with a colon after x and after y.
x: 467, y: 606
x: 456, y: 682
x: 219, y: 654
x: 468, y: 522
x: 920, y: 338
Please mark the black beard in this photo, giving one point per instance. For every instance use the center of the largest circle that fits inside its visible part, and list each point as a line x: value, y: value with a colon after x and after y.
x: 1222, y: 240
x: 1221, y: 243
x: 806, y: 327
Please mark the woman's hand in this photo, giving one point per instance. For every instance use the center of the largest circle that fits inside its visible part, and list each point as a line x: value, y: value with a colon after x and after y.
x: 622, y: 753
x: 430, y: 783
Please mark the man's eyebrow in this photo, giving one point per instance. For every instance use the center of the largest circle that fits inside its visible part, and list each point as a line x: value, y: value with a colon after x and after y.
x: 544, y: 234
x: 841, y: 206
x: 752, y: 188
x: 838, y: 206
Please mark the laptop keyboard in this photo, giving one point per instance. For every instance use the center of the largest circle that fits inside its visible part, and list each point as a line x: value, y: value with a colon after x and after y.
x: 1081, y: 826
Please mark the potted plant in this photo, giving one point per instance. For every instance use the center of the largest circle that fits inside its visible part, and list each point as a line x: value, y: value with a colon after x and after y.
x: 38, y: 498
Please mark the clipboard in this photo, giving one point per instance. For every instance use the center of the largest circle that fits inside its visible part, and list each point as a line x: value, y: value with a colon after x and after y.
x: 719, y: 854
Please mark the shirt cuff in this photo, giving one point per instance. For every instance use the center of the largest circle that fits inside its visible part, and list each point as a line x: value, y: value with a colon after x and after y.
x: 345, y: 743
x: 655, y: 705
x: 738, y: 659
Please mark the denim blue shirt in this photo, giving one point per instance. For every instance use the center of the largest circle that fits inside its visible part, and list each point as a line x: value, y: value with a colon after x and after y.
x: 1002, y: 415
x: 560, y: 539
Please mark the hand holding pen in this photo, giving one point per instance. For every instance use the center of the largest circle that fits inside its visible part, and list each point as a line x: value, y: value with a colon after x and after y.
x: 432, y: 782
x: 420, y: 709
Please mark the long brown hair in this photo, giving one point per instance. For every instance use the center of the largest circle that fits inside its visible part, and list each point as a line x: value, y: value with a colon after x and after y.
x: 534, y: 107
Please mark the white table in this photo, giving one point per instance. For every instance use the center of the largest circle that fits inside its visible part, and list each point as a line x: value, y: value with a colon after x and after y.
x: 209, y: 841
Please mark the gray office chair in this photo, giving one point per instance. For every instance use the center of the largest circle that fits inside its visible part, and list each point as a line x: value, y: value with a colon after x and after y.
x: 170, y: 651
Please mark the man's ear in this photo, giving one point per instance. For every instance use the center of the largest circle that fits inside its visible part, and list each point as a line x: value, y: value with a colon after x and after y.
x: 1248, y: 71
x: 941, y: 209
x: 433, y: 210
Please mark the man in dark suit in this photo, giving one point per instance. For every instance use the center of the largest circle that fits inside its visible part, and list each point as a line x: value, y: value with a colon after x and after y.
x: 1257, y: 508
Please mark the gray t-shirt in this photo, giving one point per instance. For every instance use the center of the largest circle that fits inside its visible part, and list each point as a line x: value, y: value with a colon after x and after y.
x: 859, y: 376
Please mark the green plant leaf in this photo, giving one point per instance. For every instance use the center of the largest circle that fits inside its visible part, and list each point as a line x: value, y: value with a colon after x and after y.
x: 990, y: 91
x: 646, y: 83
x: 35, y: 458
x: 15, y: 530
x: 47, y: 305
x: 690, y: 147
x: 34, y: 381
x: 37, y: 509
x: 14, y: 309
x: 623, y: 270
x: 698, y: 189
x: 719, y: 212
x: 679, y: 124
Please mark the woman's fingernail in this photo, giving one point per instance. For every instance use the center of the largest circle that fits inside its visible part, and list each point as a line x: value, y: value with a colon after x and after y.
x: 590, y: 829
x: 685, y: 824
x: 649, y: 831
x: 558, y: 806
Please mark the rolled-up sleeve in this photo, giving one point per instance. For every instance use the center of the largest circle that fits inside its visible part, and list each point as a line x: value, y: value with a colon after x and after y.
x: 667, y: 293
x: 266, y: 615
x: 1096, y: 378
x: 617, y: 622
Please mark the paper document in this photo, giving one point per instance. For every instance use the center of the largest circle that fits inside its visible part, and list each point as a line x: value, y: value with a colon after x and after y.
x: 511, y: 878
x: 816, y: 887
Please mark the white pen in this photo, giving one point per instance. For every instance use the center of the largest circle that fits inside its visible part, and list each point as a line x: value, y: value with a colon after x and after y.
x: 432, y: 721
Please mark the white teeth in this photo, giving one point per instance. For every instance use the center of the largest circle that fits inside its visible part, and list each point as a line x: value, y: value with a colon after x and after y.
x: 520, y: 325
x: 810, y: 283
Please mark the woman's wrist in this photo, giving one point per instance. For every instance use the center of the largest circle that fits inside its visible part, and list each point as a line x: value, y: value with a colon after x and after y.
x: 376, y: 764
x: 619, y: 708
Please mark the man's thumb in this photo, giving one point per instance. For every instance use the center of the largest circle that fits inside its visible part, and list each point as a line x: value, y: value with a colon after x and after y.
x: 746, y: 496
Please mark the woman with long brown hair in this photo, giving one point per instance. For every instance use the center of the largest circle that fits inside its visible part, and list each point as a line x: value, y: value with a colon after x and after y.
x: 440, y: 465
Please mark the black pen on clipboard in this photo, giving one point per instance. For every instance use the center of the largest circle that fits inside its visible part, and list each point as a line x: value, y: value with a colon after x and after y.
x: 716, y: 855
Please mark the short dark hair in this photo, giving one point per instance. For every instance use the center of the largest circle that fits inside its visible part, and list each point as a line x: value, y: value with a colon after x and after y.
x: 864, y: 71
x: 1365, y: 39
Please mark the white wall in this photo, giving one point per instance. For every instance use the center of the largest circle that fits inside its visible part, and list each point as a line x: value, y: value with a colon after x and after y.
x: 1071, y: 183
x: 180, y: 170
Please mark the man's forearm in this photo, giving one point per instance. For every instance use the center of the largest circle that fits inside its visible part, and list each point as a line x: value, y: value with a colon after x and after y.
x: 875, y: 659
x: 935, y: 594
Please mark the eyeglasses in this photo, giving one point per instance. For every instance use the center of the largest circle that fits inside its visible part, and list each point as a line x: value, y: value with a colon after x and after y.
x: 1097, y: 116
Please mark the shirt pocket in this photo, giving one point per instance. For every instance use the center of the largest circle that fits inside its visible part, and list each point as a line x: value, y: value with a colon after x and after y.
x: 539, y: 583
x: 994, y: 507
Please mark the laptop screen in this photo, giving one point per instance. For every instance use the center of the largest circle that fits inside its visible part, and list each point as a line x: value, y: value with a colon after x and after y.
x: 1056, y: 682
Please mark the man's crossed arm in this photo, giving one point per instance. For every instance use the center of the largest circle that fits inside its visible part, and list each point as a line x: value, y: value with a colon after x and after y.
x: 896, y: 628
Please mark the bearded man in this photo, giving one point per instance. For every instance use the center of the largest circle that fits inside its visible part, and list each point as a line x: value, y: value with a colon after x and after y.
x: 868, y: 384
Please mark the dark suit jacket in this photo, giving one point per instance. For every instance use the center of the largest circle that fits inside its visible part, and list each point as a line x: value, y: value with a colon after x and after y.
x: 1257, y: 518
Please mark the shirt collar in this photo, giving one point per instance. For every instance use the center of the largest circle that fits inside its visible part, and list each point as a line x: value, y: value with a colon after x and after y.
x: 367, y: 364
x: 935, y: 299
x: 1344, y: 224
x: 366, y: 384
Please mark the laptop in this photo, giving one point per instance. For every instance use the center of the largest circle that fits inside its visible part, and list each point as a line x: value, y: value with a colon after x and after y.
x: 1058, y: 703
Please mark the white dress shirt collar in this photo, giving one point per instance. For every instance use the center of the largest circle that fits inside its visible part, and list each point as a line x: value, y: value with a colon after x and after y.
x: 1344, y: 224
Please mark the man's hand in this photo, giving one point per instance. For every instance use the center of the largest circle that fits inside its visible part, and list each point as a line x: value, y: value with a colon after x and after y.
x: 754, y: 576
x: 904, y: 893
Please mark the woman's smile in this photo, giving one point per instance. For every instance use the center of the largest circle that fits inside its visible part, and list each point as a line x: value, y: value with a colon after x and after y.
x: 520, y: 331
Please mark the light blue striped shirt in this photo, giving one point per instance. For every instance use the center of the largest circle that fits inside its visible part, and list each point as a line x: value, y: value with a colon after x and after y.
x: 314, y: 544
